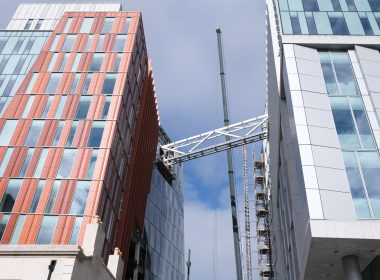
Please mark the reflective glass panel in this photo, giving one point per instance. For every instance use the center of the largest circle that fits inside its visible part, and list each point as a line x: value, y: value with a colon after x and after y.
x: 83, y: 106
x: 17, y: 230
x: 47, y: 229
x: 58, y: 133
x: 70, y: 138
x: 97, y: 62
x: 36, y: 197
x: 26, y: 162
x: 109, y: 83
x: 66, y: 165
x: 41, y: 162
x: 96, y: 134
x: 53, y: 83
x: 108, y: 24
x: 80, y: 197
x: 86, y: 25
x: 76, y: 229
x: 69, y: 43
x: 119, y: 43
x: 34, y: 133
x: 68, y: 24
x: 4, y: 162
x: 3, y: 223
x: 7, y: 132
x: 52, y: 196
x: 10, y: 195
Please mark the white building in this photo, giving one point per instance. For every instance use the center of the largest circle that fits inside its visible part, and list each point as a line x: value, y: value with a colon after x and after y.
x: 324, y: 138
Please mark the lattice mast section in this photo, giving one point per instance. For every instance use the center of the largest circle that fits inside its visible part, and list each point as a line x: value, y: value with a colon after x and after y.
x: 247, y: 220
x: 262, y: 220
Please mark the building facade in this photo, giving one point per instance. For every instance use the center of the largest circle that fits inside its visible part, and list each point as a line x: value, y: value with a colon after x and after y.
x: 79, y: 129
x: 323, y: 89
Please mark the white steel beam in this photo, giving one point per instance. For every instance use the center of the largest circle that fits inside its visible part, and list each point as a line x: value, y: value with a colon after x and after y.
x: 211, y: 142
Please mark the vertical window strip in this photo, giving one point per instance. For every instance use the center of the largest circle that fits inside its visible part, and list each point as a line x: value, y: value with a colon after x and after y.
x: 68, y: 24
x: 3, y: 223
x: 61, y: 105
x: 34, y: 133
x: 76, y: 229
x: 5, y: 161
x: 74, y: 67
x: 52, y: 62
x: 53, y: 196
x: 10, y: 195
x: 47, y: 229
x: 37, y: 196
x: 17, y: 229
x: 28, y: 106
x: 25, y: 165
x: 41, y: 163
x: 49, y: 101
x: 86, y: 25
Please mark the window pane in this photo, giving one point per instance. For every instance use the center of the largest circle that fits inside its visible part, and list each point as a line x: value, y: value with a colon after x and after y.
x: 109, y: 84
x: 36, y: 197
x: 69, y: 43
x: 55, y: 42
x: 75, y: 83
x: 106, y: 107
x: 61, y: 105
x: 68, y: 24
x: 310, y: 5
x: 311, y: 25
x: 52, y: 62
x: 47, y: 229
x: 366, y: 26
x: 351, y: 5
x: 17, y: 230
x: 53, y: 196
x: 295, y: 24
x: 83, y: 106
x: 47, y: 107
x: 119, y: 43
x: 7, y: 132
x: 64, y: 62
x: 375, y: 5
x: 370, y: 164
x: 96, y: 134
x: 108, y: 24
x: 3, y: 223
x: 328, y: 73
x: 117, y: 62
x: 53, y: 83
x: 76, y: 229
x: 32, y: 82
x: 362, y: 123
x: 97, y: 62
x: 66, y: 163
x: 70, y: 138
x: 87, y: 83
x: 74, y: 67
x: 28, y: 106
x: 10, y: 195
x: 344, y: 74
x: 336, y: 5
x: 80, y: 197
x: 91, y: 167
x: 344, y: 123
x: 28, y: 24
x: 4, y: 162
x: 34, y: 133
x: 356, y: 185
x: 127, y: 24
x: 39, y: 24
x: 58, y: 133
x: 88, y: 43
x: 86, y: 25
x: 338, y: 25
x: 100, y: 43
x: 41, y: 162
x: 26, y: 162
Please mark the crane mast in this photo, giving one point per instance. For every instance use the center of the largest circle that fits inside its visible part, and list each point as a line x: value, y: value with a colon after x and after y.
x: 231, y: 179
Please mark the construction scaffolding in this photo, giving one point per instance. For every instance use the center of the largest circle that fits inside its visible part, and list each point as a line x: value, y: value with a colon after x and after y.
x: 262, y: 220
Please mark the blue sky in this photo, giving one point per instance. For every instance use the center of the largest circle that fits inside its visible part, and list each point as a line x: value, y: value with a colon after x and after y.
x: 181, y: 42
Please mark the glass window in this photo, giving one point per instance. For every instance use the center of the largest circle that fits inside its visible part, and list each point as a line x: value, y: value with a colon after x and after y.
x: 32, y: 82
x: 97, y: 62
x: 29, y: 45
x: 100, y: 43
x: 108, y: 24
x: 106, y: 107
x: 47, y: 107
x: 55, y: 42
x: 109, y: 83
x: 91, y: 167
x: 370, y: 166
x: 88, y: 43
x: 310, y: 5
x: 58, y: 133
x: 295, y: 24
x: 34, y: 133
x: 18, y: 45
x: 52, y: 62
x: 338, y: 25
x: 36, y: 197
x: 96, y: 134
x: 74, y: 85
x: 311, y: 25
x: 336, y: 5
x: 68, y: 24
x: 47, y: 229
x: 28, y: 106
x: 52, y: 196
x: 366, y: 26
x: 3, y: 223
x: 362, y: 124
x: 66, y: 165
x: 26, y: 162
x: 87, y: 83
x: 86, y: 25
x: 28, y: 24
x: 70, y: 138
x: 53, y: 83
x: 4, y: 162
x: 119, y: 43
x: 17, y: 230
x: 80, y: 197
x: 69, y: 43
x: 64, y: 62
x: 351, y: 5
x: 74, y: 67
x: 7, y: 132
x: 61, y: 105
x: 127, y: 24
x: 10, y: 195
x: 375, y: 5
x: 83, y: 106
x: 76, y: 229
x: 41, y: 163
x: 39, y: 24
x: 117, y: 62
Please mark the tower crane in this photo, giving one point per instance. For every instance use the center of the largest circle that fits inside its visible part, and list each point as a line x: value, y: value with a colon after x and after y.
x: 222, y: 139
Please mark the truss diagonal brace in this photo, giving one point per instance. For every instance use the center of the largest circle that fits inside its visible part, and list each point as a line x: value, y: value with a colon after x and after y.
x: 241, y: 133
